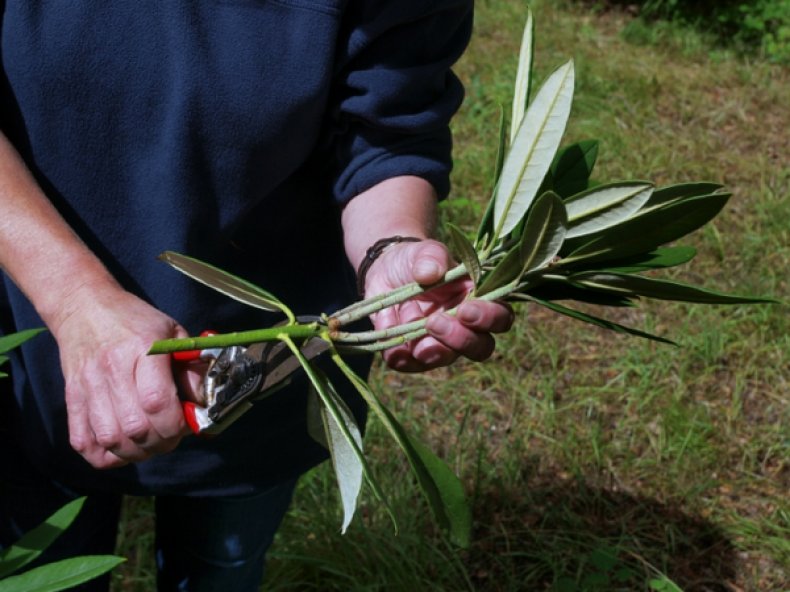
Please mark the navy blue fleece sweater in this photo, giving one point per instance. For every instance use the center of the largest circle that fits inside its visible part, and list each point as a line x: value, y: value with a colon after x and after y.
x: 233, y: 131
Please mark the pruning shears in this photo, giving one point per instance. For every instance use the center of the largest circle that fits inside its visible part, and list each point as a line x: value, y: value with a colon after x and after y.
x: 237, y: 376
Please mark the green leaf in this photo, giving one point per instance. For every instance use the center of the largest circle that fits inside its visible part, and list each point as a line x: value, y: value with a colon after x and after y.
x: 605, y: 206
x: 61, y: 575
x: 451, y: 491
x: 570, y: 172
x: 543, y: 233
x: 486, y: 228
x: 343, y: 428
x: 645, y: 232
x: 606, y: 324
x: 523, y: 76
x: 661, y: 258
x: 315, y: 423
x: 36, y: 541
x: 437, y: 482
x: 9, y: 342
x: 660, y: 289
x: 664, y: 584
x: 665, y: 195
x: 465, y: 250
x: 533, y: 150
x: 564, y: 290
x: 226, y: 283
x: 507, y: 270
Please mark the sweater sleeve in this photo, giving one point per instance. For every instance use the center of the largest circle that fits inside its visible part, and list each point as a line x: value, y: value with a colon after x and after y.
x: 395, y: 93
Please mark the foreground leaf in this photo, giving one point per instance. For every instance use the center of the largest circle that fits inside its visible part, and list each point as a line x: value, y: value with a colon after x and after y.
x: 36, y: 541
x: 343, y: 440
x: 465, y: 250
x: 660, y: 289
x: 666, y: 195
x: 523, y: 76
x: 533, y: 150
x: 606, y: 324
x: 347, y: 463
x: 507, y: 270
x: 440, y: 486
x: 485, y: 230
x: 226, y: 283
x: 661, y: 258
x: 9, y: 342
x: 61, y: 575
x: 646, y: 232
x: 605, y: 206
x: 543, y: 233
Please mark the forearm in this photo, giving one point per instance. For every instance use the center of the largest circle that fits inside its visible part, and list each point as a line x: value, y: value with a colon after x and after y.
x: 38, y: 250
x: 404, y: 206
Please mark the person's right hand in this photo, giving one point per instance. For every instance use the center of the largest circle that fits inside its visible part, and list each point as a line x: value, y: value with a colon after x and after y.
x: 122, y: 404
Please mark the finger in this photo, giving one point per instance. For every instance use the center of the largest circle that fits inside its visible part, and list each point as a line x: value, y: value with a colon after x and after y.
x: 132, y: 421
x: 432, y: 353
x: 158, y: 399
x: 81, y: 436
x: 458, y: 338
x: 488, y: 317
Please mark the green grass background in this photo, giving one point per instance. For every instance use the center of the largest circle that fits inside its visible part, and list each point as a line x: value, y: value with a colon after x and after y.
x: 593, y: 461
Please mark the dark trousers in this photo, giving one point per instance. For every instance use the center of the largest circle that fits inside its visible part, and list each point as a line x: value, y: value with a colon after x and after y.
x: 202, y: 544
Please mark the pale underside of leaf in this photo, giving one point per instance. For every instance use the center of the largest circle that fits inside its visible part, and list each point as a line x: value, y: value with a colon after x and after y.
x: 533, y: 150
x: 544, y: 232
x: 523, y: 76
x: 605, y: 206
x: 224, y: 282
x: 343, y: 439
x: 441, y: 487
x: 347, y: 465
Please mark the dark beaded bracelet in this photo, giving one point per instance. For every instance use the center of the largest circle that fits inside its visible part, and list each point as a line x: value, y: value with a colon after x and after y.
x: 373, y: 253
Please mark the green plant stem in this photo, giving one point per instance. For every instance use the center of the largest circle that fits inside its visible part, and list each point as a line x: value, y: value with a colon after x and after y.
x: 364, y: 308
x: 294, y: 331
x: 393, y: 336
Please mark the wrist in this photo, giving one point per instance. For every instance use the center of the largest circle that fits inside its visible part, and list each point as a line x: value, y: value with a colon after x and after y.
x: 79, y: 292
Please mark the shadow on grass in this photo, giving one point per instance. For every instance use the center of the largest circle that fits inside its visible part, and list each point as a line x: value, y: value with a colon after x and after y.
x: 569, y: 536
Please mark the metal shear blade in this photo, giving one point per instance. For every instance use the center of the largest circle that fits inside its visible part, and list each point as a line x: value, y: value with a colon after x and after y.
x: 252, y: 374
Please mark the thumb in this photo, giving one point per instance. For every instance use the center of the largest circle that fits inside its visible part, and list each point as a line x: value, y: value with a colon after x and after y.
x: 429, y: 260
x: 424, y: 262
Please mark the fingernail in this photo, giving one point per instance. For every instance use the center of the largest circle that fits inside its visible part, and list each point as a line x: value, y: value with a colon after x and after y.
x: 427, y: 268
x: 469, y: 313
x: 439, y: 325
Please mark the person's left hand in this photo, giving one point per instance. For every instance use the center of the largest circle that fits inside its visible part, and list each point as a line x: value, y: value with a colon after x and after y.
x: 468, y: 333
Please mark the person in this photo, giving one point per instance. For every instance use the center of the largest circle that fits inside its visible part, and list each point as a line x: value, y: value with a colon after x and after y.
x: 278, y: 140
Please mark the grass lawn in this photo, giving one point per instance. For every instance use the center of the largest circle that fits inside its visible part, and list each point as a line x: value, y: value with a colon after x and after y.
x: 594, y: 461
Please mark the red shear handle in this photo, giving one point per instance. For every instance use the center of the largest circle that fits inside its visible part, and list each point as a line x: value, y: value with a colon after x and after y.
x: 191, y: 355
x: 190, y: 416
x: 192, y: 411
